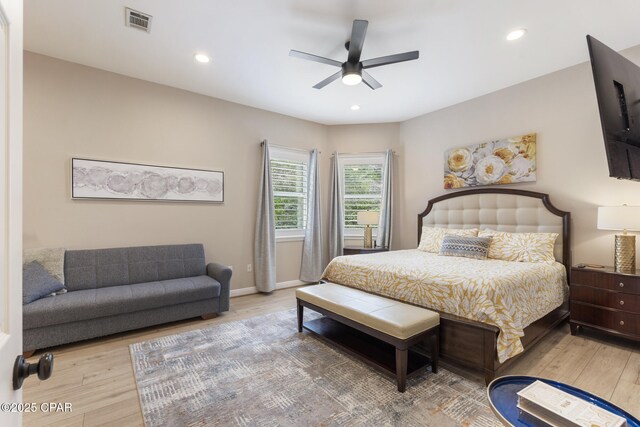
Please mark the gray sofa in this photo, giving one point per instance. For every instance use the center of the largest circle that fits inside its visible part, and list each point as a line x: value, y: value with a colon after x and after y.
x: 115, y: 290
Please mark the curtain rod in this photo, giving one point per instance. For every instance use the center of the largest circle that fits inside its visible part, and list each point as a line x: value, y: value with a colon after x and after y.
x: 289, y: 148
x: 333, y: 154
x: 364, y: 153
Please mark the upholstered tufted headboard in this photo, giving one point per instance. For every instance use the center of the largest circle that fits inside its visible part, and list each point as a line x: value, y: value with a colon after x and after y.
x: 503, y: 210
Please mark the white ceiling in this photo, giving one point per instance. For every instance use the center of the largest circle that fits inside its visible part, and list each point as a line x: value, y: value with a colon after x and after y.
x: 463, y: 51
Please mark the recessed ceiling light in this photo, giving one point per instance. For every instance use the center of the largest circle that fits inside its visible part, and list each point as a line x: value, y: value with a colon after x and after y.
x: 201, y: 57
x: 516, y: 34
x: 355, y: 107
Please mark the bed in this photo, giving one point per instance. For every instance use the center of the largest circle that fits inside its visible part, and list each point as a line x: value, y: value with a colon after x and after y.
x: 491, y: 311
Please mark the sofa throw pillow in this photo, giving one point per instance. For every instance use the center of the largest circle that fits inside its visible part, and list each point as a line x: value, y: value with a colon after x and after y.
x: 431, y: 239
x: 521, y: 247
x: 52, y: 259
x: 467, y: 247
x: 37, y: 283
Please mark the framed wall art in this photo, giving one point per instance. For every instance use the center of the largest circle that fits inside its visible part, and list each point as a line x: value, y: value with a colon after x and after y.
x: 504, y: 161
x: 98, y: 179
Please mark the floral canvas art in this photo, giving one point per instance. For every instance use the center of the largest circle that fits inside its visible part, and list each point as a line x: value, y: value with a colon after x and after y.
x: 505, y: 161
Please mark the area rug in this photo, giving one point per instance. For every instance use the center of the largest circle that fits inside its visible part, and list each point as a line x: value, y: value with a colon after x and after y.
x: 262, y: 372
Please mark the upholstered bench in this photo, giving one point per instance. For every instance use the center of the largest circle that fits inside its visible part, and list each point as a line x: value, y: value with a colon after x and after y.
x: 398, y: 324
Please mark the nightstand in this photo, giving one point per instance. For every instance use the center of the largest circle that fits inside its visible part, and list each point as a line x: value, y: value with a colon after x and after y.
x: 606, y: 300
x: 356, y: 250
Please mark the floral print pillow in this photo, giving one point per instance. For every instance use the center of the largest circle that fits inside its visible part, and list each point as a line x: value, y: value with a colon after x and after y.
x: 432, y: 237
x: 522, y: 247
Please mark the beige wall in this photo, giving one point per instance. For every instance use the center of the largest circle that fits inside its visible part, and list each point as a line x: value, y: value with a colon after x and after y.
x: 76, y: 111
x: 561, y: 107
x: 363, y: 139
x: 72, y: 110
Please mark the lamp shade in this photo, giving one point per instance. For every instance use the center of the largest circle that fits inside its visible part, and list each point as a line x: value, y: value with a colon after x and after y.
x: 368, y: 217
x: 619, y: 218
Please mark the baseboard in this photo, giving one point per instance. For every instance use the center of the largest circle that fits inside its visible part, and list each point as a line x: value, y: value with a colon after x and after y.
x: 291, y: 284
x: 243, y: 291
x: 253, y: 290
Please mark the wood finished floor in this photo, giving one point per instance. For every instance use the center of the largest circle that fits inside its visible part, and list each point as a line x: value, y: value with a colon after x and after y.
x: 97, y: 377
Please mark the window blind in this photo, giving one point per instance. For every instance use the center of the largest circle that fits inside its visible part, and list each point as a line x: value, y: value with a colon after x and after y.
x: 289, y: 179
x: 362, y: 191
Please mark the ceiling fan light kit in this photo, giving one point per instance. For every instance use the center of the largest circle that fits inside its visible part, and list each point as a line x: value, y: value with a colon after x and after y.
x: 351, y: 73
x: 351, y: 79
x: 353, y: 70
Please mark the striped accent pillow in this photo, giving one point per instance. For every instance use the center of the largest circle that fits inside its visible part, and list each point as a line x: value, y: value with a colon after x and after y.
x: 431, y: 240
x: 468, y: 247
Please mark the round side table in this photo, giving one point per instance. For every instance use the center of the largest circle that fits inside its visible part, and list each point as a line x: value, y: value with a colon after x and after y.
x: 503, y: 398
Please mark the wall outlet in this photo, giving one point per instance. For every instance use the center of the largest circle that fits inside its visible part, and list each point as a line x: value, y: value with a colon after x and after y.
x: 249, y: 268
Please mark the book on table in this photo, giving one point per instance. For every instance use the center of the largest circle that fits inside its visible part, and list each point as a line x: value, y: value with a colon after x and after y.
x: 553, y: 407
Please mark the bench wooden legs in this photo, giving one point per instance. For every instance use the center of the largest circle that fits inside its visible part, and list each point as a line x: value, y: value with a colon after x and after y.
x: 402, y: 356
x: 401, y: 345
x: 435, y: 351
x: 300, y: 316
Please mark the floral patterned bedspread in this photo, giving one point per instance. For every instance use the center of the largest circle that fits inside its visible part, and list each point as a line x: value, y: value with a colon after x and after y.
x: 509, y: 295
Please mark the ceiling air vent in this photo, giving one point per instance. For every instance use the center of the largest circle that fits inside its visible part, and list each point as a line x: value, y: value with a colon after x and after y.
x: 139, y: 20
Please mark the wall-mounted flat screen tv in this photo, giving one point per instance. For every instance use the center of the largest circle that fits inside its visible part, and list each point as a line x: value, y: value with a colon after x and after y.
x: 617, y: 82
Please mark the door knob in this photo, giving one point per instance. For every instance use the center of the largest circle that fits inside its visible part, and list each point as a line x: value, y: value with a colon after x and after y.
x: 22, y: 369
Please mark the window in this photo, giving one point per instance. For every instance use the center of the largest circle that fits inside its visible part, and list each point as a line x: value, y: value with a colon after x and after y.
x: 289, y: 178
x: 362, y: 179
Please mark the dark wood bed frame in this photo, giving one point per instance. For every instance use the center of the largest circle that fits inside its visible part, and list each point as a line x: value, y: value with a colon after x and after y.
x: 472, y: 344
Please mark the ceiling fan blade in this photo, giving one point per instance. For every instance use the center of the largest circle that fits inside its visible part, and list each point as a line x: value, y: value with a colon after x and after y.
x: 314, y: 58
x: 328, y: 80
x: 358, y: 32
x: 370, y: 81
x: 391, y: 59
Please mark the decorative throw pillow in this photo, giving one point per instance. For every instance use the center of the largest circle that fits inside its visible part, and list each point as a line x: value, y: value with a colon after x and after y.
x: 468, y: 247
x: 37, y: 283
x: 52, y: 259
x: 522, y: 247
x: 432, y: 237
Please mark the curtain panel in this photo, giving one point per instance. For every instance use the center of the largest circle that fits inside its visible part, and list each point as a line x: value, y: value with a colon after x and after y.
x: 312, y: 263
x: 386, y: 203
x: 336, y: 211
x: 264, y: 251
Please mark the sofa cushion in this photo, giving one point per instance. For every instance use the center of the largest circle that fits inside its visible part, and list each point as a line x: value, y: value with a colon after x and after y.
x: 52, y: 259
x: 37, y: 282
x: 98, y: 268
x: 108, y: 301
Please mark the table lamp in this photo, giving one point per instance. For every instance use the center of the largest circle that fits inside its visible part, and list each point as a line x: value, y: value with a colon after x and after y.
x: 368, y: 218
x: 625, y: 218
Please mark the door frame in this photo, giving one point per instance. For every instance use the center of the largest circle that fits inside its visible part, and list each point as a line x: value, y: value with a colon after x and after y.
x: 10, y: 203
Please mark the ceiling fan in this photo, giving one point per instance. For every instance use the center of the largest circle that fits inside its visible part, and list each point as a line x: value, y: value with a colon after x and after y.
x: 353, y: 70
